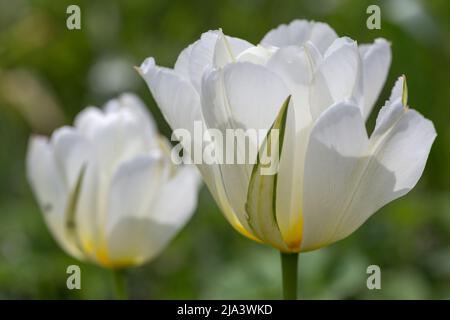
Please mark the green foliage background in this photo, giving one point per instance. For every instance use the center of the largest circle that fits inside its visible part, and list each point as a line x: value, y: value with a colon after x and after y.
x: 48, y: 74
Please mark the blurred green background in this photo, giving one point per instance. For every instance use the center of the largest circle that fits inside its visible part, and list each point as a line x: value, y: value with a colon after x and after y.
x: 49, y: 73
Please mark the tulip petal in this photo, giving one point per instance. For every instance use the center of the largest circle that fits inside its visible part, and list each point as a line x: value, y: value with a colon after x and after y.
x: 241, y: 96
x: 376, y: 59
x: 180, y: 104
x: 296, y: 66
x: 87, y: 119
x: 134, y: 187
x: 290, y: 182
x: 397, y: 162
x: 121, y: 132
x: 199, y: 56
x: 388, y: 115
x: 71, y: 152
x: 262, y: 190
x: 181, y: 66
x: 50, y: 189
x: 90, y: 209
x: 212, y: 177
x: 146, y: 224
x: 300, y: 31
x: 175, y: 96
x: 133, y: 190
x: 399, y: 92
x: 338, y: 77
x: 335, y: 150
x: 134, y: 105
x: 115, y: 136
x: 227, y: 49
x: 388, y: 168
x: 172, y: 208
x: 257, y: 54
x: 72, y: 228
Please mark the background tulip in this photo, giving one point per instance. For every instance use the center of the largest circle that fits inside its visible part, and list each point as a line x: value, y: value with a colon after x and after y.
x: 107, y: 188
x: 332, y: 174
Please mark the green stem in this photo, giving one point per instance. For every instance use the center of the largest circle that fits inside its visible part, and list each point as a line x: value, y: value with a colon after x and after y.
x: 119, y: 284
x: 289, y: 270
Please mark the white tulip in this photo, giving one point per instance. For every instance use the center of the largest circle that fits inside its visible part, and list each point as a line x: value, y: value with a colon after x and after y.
x: 332, y: 175
x: 107, y: 187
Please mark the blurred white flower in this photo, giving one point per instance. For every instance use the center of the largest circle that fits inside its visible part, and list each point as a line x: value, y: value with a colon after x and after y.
x: 107, y: 188
x: 332, y: 176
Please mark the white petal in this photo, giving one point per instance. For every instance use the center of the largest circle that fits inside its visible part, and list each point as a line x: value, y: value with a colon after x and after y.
x: 135, y: 240
x: 90, y: 210
x: 290, y: 182
x: 237, y: 45
x: 376, y: 61
x: 294, y: 33
x: 212, y: 177
x: 397, y: 90
x: 74, y: 156
x: 322, y: 35
x: 227, y: 49
x: 391, y: 165
x: 261, y: 204
x: 300, y: 31
x: 257, y: 55
x: 398, y: 158
x: 119, y: 133
x: 388, y: 115
x: 118, y: 136
x: 404, y: 148
x: 117, y: 140
x: 177, y: 198
x: 175, y: 96
x: 199, y: 56
x: 296, y: 65
x: 222, y: 52
x: 335, y: 150
x: 181, y: 112
x: 126, y: 119
x: 242, y: 95
x: 293, y: 65
x: 338, y: 77
x: 182, y: 64
x: 173, y: 207
x: 87, y: 119
x: 51, y: 192
x: 135, y: 105
x: 134, y: 188
x: 71, y: 152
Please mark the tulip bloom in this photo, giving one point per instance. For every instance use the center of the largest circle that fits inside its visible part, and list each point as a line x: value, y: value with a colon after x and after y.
x: 319, y: 89
x: 107, y: 188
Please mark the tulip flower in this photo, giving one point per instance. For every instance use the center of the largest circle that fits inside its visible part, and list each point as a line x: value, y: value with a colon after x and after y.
x: 107, y: 187
x: 318, y: 89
